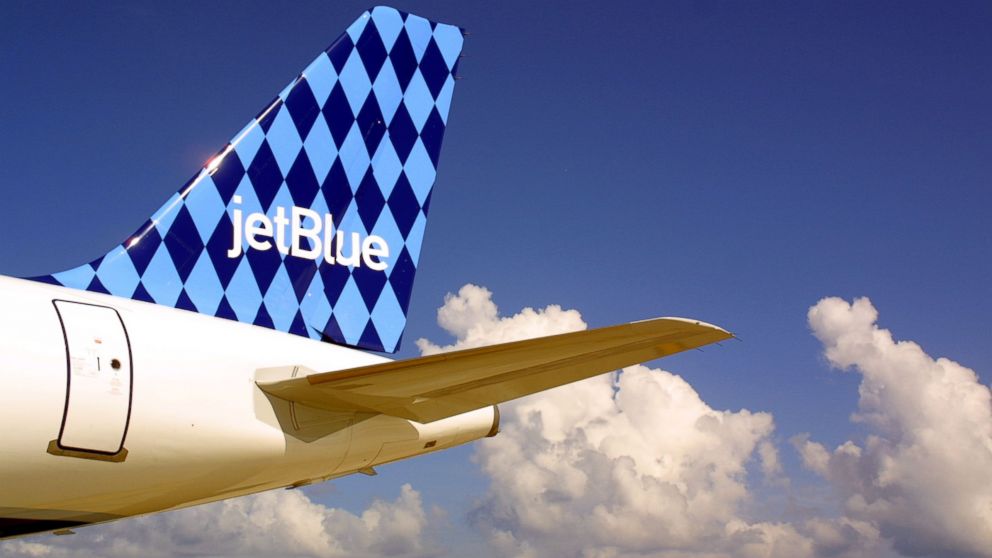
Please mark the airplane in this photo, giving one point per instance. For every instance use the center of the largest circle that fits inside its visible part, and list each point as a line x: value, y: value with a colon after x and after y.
x: 234, y: 343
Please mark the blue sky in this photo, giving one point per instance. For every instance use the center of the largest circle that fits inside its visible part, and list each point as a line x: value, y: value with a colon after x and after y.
x: 731, y: 162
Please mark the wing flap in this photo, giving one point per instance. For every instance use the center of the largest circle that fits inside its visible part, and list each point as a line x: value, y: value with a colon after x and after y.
x: 430, y: 388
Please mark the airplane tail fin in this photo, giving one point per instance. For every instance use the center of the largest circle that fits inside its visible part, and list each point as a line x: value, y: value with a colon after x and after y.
x: 310, y: 221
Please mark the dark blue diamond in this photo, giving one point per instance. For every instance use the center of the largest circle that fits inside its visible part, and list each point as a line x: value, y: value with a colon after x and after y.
x: 371, y: 124
x: 264, y: 265
x: 338, y: 115
x: 141, y: 293
x: 299, y: 325
x: 224, y: 310
x: 141, y: 254
x: 371, y: 50
x: 401, y: 279
x: 96, y: 286
x: 302, y: 106
x: 268, y: 114
x: 369, y: 200
x: 370, y: 339
x: 337, y: 192
x: 228, y: 176
x: 220, y: 242
x: 48, y: 279
x: 370, y: 284
x: 427, y: 202
x: 301, y: 272
x: 335, y: 277
x: 404, y: 205
x: 185, y: 302
x: 404, y: 59
x: 402, y: 132
x: 302, y: 182
x: 434, y: 68
x: 339, y: 51
x: 432, y: 134
x: 265, y: 175
x: 183, y: 243
x: 263, y: 319
x: 331, y: 332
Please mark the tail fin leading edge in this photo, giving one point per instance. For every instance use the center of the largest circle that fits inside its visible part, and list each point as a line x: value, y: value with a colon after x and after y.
x: 310, y: 221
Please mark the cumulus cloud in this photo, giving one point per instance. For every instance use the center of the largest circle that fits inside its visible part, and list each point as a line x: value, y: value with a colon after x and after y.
x: 922, y: 473
x: 624, y: 464
x: 275, y: 523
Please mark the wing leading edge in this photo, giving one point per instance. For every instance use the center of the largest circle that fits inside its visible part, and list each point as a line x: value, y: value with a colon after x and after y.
x: 434, y: 387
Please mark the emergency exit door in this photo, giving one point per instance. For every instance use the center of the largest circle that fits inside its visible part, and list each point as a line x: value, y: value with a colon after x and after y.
x: 98, y: 393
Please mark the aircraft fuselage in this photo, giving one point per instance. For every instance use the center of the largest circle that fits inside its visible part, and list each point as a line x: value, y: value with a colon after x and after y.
x: 113, y: 407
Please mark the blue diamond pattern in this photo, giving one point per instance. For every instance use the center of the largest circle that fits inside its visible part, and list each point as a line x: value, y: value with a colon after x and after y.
x: 356, y: 136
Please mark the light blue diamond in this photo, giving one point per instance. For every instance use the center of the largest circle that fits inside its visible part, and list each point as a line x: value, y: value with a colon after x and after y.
x: 284, y: 94
x: 249, y: 199
x: 355, y: 157
x: 415, y: 239
x: 419, y: 31
x: 418, y: 100
x: 76, y: 278
x: 284, y: 140
x: 320, y: 148
x: 388, y: 318
x: 248, y: 204
x: 388, y: 22
x: 355, y: 29
x: 161, y: 279
x: 449, y: 39
x: 351, y: 313
x: 243, y: 294
x: 284, y: 200
x: 387, y: 91
x: 355, y: 82
x: 386, y: 228
x: 444, y: 98
x: 280, y: 300
x: 203, y: 286
x: 166, y: 214
x: 205, y: 206
x: 316, y: 310
x: 321, y: 77
x: 117, y: 273
x: 351, y: 222
x: 386, y: 167
x: 249, y: 139
x: 420, y: 171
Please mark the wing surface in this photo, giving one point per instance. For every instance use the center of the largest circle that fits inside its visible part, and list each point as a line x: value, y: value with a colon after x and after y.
x: 433, y: 387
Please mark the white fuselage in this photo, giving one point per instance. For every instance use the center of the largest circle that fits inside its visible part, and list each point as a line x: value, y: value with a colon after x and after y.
x: 182, y: 398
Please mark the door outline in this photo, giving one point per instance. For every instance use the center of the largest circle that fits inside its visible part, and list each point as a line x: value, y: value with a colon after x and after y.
x: 55, y: 447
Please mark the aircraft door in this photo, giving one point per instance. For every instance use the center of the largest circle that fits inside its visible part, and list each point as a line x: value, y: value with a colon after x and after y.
x: 98, y: 396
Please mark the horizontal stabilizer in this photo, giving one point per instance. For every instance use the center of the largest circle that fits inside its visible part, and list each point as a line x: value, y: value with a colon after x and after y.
x: 434, y: 387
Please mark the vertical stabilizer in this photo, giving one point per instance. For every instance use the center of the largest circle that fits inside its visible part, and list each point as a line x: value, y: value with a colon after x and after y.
x: 310, y: 221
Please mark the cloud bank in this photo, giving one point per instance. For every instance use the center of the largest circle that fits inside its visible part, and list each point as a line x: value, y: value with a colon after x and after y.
x: 922, y: 475
x: 624, y: 464
x: 276, y: 523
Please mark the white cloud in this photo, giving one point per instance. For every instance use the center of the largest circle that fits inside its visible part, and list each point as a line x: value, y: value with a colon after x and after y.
x: 275, y: 523
x: 630, y: 464
x: 473, y: 319
x: 921, y: 476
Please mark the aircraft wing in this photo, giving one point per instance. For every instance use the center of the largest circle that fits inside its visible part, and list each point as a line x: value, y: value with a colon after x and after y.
x: 434, y: 387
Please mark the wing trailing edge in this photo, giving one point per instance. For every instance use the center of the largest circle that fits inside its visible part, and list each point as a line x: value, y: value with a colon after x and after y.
x: 434, y: 387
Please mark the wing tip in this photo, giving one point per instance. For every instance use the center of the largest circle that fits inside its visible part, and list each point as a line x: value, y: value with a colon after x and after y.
x: 692, y: 321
